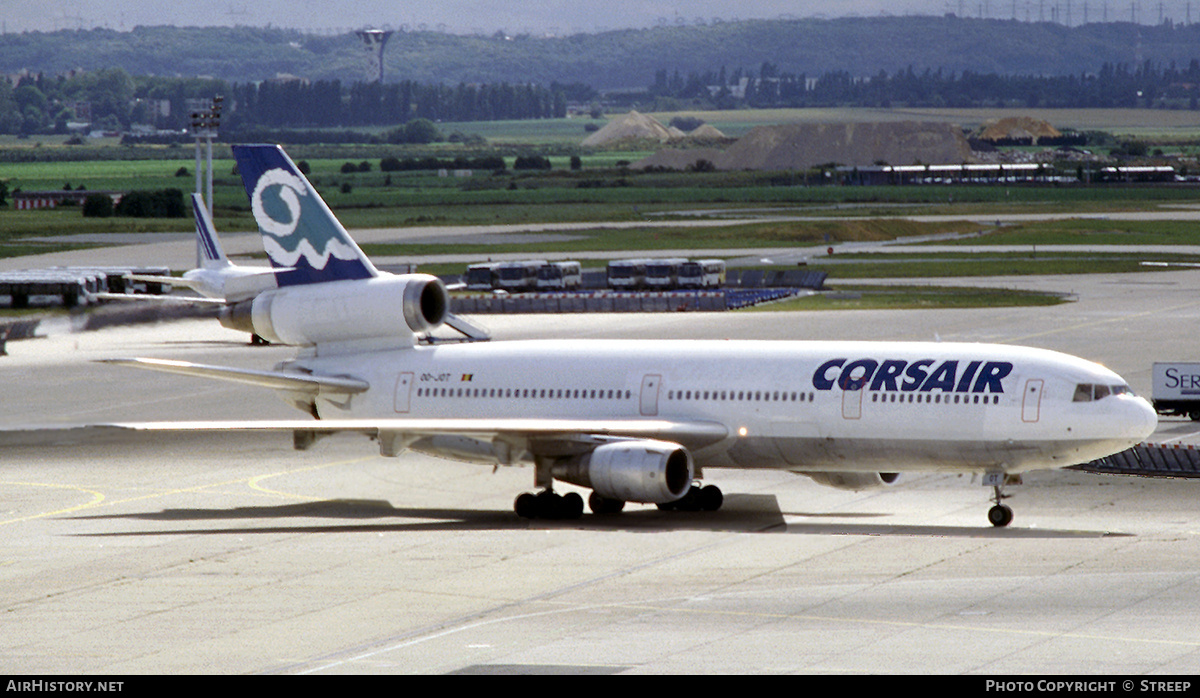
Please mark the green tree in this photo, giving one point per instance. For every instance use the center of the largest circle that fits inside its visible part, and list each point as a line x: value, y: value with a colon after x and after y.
x: 421, y: 131
x: 97, y: 206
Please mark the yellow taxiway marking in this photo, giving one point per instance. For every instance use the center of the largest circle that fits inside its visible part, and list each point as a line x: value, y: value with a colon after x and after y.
x: 98, y: 497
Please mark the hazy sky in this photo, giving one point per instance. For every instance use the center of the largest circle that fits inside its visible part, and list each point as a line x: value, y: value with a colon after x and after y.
x: 458, y: 16
x: 545, y: 16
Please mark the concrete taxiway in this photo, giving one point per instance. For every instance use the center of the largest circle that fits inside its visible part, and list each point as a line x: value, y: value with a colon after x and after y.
x: 226, y: 554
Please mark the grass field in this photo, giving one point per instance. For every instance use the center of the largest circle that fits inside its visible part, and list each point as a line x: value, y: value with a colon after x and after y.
x: 604, y: 190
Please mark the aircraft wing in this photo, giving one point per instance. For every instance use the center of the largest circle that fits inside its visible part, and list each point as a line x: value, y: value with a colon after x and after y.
x: 280, y: 380
x: 565, y: 436
x: 701, y: 432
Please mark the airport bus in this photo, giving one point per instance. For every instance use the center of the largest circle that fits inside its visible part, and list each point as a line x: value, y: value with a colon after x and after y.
x: 626, y: 274
x: 559, y: 276
x: 518, y: 276
x: 482, y: 276
x: 702, y: 273
x: 663, y: 274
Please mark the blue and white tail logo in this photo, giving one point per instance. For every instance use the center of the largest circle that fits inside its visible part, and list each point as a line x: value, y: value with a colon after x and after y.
x: 304, y: 240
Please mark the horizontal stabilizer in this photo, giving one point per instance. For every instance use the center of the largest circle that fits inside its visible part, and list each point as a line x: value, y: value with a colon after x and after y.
x: 280, y: 380
x: 106, y: 296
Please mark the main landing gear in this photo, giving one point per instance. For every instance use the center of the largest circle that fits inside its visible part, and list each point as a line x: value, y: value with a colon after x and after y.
x: 707, y: 498
x: 550, y: 505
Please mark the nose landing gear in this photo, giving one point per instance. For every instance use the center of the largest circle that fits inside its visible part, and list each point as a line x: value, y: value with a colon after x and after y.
x: 1000, y: 515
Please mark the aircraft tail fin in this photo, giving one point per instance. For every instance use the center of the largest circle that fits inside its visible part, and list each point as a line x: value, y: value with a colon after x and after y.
x: 209, y: 254
x: 304, y: 240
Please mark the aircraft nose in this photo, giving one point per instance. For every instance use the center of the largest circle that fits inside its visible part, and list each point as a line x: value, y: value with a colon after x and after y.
x: 1143, y: 419
x: 1149, y: 416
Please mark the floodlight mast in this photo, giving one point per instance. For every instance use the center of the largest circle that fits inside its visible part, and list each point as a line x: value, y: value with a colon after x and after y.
x: 204, y: 127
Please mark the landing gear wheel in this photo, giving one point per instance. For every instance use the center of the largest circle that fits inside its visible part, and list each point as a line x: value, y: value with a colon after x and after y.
x: 570, y: 506
x: 1000, y: 516
x: 711, y: 498
x: 605, y: 505
x: 548, y: 505
x: 697, y: 498
x: 526, y: 505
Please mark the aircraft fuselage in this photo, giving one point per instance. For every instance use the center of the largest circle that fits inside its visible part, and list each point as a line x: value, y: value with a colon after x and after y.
x: 801, y: 406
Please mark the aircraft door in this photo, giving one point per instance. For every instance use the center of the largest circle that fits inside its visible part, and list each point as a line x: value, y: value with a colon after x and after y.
x: 852, y: 398
x: 404, y: 384
x: 1031, y: 402
x: 649, y: 397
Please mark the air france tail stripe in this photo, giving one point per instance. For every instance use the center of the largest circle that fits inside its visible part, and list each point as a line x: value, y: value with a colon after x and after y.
x: 205, y: 237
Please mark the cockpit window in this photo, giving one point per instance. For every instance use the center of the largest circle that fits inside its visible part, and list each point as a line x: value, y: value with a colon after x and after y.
x: 1087, y: 392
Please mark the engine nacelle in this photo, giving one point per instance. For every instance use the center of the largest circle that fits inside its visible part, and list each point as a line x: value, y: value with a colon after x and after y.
x: 653, y: 472
x: 856, y: 482
x: 377, y: 307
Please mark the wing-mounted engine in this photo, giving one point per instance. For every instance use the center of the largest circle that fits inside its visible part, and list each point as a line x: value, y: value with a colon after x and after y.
x: 653, y: 472
x: 856, y: 482
x: 384, y: 307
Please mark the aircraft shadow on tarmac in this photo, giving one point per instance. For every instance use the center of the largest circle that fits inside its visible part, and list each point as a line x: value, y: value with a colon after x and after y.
x: 740, y: 513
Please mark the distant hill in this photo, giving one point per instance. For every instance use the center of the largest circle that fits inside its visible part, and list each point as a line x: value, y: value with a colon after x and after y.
x: 617, y: 59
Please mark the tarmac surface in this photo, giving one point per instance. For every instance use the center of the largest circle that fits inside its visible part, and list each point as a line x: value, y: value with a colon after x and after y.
x: 233, y: 554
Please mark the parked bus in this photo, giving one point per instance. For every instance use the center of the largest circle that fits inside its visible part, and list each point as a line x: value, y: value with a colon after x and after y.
x: 559, y: 275
x: 482, y: 276
x: 518, y: 276
x: 702, y: 273
x: 663, y: 274
x: 629, y: 274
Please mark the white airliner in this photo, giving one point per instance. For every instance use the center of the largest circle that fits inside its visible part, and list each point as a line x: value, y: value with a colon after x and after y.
x: 220, y: 281
x: 641, y: 420
x: 215, y: 278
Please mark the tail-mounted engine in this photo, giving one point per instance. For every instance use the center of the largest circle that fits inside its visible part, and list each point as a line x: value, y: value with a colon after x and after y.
x: 653, y: 472
x: 378, y: 307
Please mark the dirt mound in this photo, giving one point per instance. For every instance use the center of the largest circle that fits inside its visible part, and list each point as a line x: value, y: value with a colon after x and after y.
x: 801, y: 146
x: 1017, y: 128
x: 706, y: 133
x: 635, y: 128
x: 632, y: 127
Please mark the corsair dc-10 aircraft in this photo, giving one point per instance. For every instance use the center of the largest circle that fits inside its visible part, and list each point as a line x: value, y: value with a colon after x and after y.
x: 640, y: 420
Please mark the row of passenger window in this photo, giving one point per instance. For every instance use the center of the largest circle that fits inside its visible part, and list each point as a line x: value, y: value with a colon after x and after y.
x: 528, y: 393
x: 747, y: 395
x: 936, y: 398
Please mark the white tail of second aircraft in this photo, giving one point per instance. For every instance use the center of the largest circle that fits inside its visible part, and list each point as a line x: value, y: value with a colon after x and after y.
x: 209, y: 254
